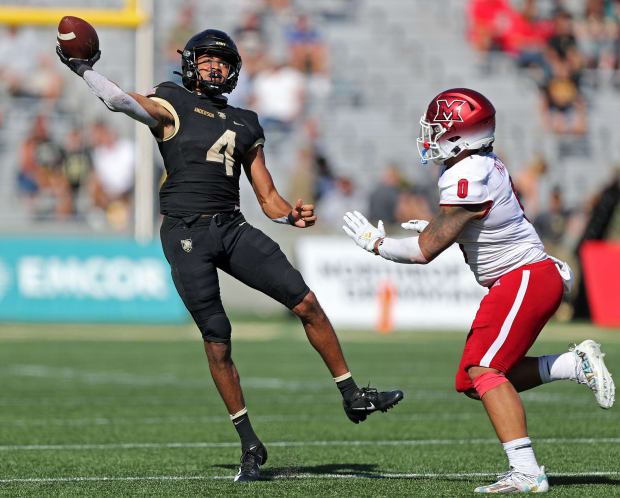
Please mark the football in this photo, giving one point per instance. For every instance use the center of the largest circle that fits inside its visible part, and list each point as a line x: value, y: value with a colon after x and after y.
x: 77, y: 39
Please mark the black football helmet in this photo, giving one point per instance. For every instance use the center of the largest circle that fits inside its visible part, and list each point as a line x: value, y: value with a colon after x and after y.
x: 210, y: 42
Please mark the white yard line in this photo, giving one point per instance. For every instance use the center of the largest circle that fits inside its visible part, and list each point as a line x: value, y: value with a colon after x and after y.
x: 23, y: 422
x: 293, y: 476
x: 410, y: 442
x: 219, y: 419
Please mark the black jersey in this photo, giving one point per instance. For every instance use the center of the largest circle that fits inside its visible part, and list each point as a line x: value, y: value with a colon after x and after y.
x: 203, y: 156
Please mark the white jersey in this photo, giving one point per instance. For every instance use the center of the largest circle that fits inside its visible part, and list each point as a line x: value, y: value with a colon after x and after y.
x: 501, y: 240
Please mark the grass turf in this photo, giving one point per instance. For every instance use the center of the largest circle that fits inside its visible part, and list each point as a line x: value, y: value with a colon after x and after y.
x: 136, y: 406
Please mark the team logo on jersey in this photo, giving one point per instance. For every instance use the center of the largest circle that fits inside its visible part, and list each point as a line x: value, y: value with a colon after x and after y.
x: 449, y: 111
x: 221, y: 115
x: 186, y: 244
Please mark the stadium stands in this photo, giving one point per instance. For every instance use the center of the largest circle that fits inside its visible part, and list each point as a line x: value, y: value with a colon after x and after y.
x: 386, y: 60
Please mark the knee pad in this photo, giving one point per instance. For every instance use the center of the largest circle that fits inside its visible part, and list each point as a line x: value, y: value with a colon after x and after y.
x: 215, y: 328
x: 487, y: 381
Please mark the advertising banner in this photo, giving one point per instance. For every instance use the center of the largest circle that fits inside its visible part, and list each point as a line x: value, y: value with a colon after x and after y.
x: 86, y: 280
x: 360, y: 290
x: 601, y: 270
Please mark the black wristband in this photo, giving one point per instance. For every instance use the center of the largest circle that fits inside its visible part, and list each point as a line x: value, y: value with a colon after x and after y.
x: 290, y: 218
x: 81, y: 68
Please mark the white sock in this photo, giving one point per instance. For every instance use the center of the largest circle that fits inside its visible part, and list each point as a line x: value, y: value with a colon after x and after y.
x: 521, y: 456
x: 557, y: 367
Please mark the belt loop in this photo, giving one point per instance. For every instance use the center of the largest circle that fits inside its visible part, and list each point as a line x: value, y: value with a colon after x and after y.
x: 218, y: 219
x: 190, y: 220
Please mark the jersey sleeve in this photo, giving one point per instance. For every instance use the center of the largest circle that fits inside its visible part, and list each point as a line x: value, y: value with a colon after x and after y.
x: 168, y: 95
x: 256, y: 129
x: 464, y: 189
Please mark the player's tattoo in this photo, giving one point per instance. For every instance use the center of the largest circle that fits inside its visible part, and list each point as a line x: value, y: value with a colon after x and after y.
x: 444, y: 229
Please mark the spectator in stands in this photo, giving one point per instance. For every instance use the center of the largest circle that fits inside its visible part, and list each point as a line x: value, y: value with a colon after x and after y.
x: 551, y: 224
x: 17, y: 71
x: 562, y: 46
x: 384, y: 198
x: 252, y: 43
x: 40, y: 176
x: 182, y: 30
x: 487, y: 21
x: 527, y: 182
x: 563, y: 108
x: 324, y: 181
x: 12, y: 68
x: 526, y: 39
x: 78, y: 164
x: 112, y: 181
x: 306, y: 47
x: 46, y: 82
x: 251, y: 30
x: 414, y: 204
x: 278, y: 7
x: 342, y: 196
x: 616, y: 45
x: 313, y: 176
x: 596, y: 32
x: 279, y: 96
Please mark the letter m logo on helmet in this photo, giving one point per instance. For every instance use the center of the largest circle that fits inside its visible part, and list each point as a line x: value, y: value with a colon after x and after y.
x: 448, y: 110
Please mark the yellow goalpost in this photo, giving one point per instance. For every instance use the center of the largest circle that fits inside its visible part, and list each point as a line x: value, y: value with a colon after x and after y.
x: 135, y: 15
x: 130, y: 16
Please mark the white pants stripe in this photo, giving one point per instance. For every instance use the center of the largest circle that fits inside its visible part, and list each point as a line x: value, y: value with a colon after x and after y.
x: 507, y: 325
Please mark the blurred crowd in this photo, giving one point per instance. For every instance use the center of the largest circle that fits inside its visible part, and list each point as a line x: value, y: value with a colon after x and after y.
x: 83, y: 170
x: 66, y: 169
x: 88, y: 174
x: 564, y: 51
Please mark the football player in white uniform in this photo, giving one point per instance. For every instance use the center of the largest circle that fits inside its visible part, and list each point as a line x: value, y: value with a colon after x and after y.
x: 479, y: 210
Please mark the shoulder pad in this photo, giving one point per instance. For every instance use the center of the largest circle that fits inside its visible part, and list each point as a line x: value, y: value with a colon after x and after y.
x: 466, y: 182
x: 165, y: 89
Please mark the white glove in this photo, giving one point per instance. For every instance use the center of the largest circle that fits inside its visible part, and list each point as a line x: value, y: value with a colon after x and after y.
x: 361, y: 231
x: 417, y: 225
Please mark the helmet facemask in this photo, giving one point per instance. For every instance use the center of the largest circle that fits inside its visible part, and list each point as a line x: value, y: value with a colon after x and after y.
x: 191, y: 72
x: 438, y: 143
x: 428, y: 146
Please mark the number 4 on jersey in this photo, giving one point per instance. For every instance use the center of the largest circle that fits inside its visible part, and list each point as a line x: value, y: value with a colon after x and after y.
x: 225, y: 144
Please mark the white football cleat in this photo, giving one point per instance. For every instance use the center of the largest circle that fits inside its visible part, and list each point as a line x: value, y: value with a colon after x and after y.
x: 516, y: 482
x: 591, y: 371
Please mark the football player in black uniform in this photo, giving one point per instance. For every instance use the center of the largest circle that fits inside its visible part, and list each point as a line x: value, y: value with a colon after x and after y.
x: 205, y: 143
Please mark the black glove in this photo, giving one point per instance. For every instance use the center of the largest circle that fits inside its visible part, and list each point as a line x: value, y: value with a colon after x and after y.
x: 78, y: 66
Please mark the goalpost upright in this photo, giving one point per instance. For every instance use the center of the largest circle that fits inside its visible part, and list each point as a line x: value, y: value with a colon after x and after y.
x: 136, y: 15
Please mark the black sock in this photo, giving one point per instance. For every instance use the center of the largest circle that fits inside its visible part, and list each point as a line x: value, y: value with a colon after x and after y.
x: 347, y: 388
x: 245, y: 431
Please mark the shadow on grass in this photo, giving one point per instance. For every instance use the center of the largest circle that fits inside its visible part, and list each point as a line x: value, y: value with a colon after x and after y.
x: 585, y: 479
x: 343, y: 469
x: 369, y: 471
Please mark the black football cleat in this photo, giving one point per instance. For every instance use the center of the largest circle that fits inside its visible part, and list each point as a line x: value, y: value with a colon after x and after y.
x: 367, y: 400
x: 251, y: 460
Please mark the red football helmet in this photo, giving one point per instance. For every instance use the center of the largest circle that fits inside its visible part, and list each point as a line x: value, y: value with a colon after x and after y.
x: 457, y: 119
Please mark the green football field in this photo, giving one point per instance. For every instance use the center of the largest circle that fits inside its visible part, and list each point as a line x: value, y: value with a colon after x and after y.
x: 131, y: 410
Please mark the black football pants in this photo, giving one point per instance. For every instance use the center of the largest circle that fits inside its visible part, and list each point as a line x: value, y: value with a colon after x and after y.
x: 196, y: 245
